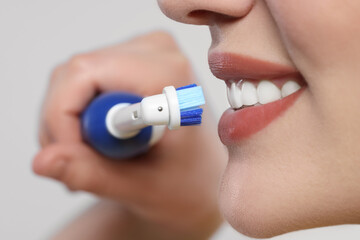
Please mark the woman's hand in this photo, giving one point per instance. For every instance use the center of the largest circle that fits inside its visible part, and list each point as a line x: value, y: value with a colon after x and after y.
x: 174, y: 186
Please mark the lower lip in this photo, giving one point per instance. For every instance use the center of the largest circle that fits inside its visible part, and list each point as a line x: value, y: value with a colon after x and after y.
x: 235, y: 126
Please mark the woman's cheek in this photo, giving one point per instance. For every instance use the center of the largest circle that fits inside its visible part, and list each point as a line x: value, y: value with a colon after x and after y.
x: 323, y: 41
x: 316, y: 33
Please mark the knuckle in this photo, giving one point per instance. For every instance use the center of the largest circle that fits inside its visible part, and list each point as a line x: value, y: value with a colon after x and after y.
x: 79, y: 64
x: 76, y: 66
x: 161, y: 39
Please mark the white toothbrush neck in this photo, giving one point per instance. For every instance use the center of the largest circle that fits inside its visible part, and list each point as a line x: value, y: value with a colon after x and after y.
x: 126, y: 120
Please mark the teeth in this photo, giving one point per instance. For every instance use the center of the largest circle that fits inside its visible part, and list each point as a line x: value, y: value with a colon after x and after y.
x: 268, y: 92
x: 249, y: 95
x: 245, y: 93
x: 289, y: 88
x: 234, y: 96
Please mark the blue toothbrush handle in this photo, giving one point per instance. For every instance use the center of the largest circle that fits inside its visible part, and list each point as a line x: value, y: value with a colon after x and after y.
x: 96, y: 134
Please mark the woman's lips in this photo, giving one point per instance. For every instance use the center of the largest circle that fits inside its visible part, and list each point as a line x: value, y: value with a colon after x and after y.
x: 227, y: 66
x: 237, y: 125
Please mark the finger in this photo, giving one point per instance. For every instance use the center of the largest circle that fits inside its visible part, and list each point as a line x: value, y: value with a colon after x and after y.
x: 79, y: 168
x: 60, y: 122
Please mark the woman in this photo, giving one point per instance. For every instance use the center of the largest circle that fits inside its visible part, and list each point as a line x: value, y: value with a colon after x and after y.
x: 293, y: 158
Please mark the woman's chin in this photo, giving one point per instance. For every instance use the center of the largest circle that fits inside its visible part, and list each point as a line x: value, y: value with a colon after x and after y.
x: 255, y: 204
x: 241, y: 207
x: 263, y: 200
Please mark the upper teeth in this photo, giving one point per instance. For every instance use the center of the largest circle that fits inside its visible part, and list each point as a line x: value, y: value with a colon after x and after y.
x: 244, y: 93
x: 250, y: 96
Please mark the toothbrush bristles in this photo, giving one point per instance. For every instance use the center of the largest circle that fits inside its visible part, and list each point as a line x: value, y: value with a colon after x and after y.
x: 190, y: 98
x: 191, y: 121
x: 187, y: 86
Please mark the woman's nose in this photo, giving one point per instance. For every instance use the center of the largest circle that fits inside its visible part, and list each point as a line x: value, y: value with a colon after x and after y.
x: 203, y: 12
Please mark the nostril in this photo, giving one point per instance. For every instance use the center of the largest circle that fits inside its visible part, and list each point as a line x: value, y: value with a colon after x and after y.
x: 208, y: 16
x: 199, y: 14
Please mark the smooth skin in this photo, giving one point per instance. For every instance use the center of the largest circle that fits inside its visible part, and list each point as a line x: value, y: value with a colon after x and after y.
x: 301, y: 171
x: 169, y: 193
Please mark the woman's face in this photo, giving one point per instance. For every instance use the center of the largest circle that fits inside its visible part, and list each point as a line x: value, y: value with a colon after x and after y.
x: 294, y: 162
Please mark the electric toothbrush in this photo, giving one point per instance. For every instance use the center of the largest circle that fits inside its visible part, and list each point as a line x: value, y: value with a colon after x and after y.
x: 121, y: 125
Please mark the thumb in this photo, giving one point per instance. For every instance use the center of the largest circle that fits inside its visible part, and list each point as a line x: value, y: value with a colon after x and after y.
x: 80, y: 168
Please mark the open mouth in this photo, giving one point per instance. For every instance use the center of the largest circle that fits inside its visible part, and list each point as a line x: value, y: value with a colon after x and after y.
x: 247, y: 93
x: 258, y: 92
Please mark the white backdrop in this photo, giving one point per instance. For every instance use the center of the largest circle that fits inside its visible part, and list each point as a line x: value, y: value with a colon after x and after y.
x: 37, y: 35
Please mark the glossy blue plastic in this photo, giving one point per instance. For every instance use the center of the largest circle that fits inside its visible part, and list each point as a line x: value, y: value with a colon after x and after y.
x: 96, y: 134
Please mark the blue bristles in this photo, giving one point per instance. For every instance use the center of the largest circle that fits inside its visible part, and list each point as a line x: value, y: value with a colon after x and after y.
x: 190, y: 98
x: 187, y: 86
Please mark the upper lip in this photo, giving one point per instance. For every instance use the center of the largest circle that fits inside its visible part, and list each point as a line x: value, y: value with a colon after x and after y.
x: 229, y: 66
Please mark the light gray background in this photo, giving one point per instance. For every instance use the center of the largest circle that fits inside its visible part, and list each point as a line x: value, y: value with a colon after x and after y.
x: 37, y: 35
